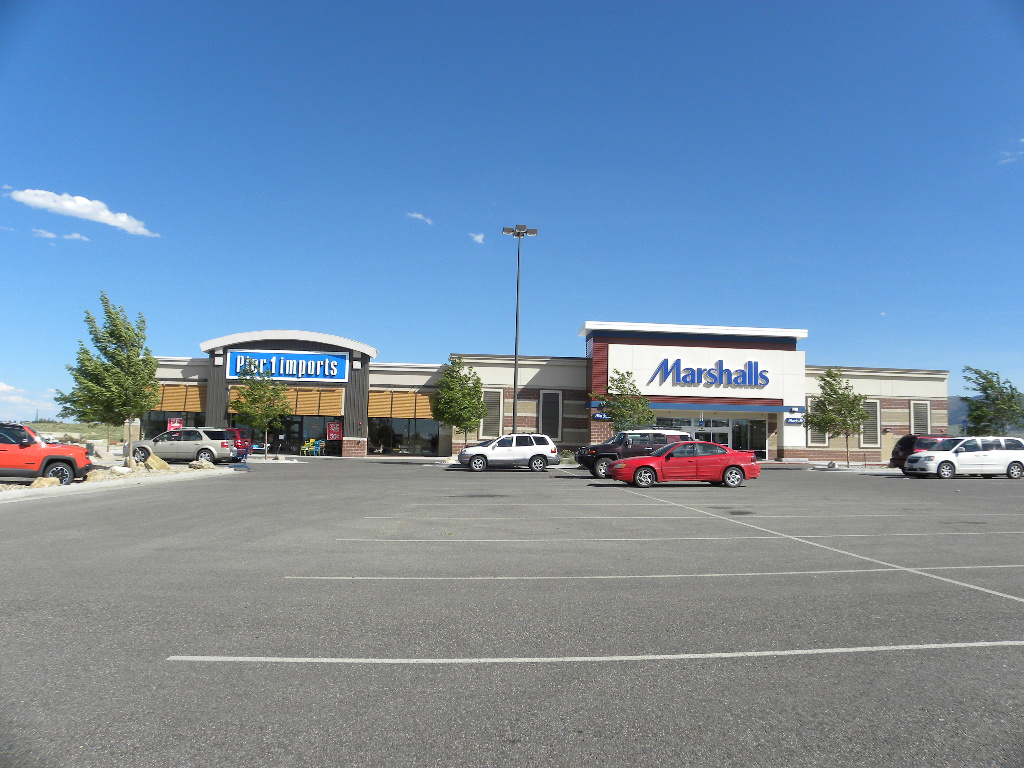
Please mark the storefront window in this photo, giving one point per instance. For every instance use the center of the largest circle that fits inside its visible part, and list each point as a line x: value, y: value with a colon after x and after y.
x: 155, y: 422
x: 413, y: 437
x: 750, y: 435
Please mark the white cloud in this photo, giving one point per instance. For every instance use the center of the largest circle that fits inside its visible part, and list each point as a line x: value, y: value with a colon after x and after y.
x: 477, y: 238
x: 419, y: 216
x: 43, y: 233
x: 80, y: 207
x: 19, y: 405
x: 76, y: 236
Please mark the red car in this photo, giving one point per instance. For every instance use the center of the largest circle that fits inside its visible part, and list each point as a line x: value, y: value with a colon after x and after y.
x: 689, y: 460
x: 240, y: 437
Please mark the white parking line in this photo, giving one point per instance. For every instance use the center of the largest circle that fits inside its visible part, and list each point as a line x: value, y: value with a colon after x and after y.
x: 738, y: 574
x: 578, y: 659
x: 805, y: 540
x: 794, y: 537
x: 587, y: 578
x: 761, y: 515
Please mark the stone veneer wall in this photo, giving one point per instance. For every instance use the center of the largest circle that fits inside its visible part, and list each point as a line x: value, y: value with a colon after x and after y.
x: 353, y: 447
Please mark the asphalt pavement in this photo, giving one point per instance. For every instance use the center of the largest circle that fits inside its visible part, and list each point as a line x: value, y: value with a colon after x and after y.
x: 379, y: 613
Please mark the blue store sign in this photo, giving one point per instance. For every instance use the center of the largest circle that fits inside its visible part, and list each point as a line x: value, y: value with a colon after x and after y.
x: 290, y: 366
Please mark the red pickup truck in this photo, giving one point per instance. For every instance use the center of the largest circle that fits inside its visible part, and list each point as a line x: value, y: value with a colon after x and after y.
x: 23, y: 453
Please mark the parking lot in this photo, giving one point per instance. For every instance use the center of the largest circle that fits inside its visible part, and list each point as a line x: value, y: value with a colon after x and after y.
x: 382, y: 613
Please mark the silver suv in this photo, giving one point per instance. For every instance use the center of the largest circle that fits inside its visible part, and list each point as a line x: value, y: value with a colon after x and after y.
x: 537, y: 452
x: 188, y: 444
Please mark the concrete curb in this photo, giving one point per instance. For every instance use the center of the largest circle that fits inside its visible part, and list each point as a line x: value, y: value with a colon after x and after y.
x: 60, y: 491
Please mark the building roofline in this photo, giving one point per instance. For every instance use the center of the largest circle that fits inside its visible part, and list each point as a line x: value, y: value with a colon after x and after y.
x: 319, y: 338
x: 592, y: 326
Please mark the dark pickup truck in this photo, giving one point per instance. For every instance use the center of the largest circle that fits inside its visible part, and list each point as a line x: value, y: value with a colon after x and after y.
x: 633, y: 442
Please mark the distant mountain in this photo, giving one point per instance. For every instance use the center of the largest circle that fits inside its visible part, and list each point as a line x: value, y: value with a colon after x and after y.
x: 958, y: 415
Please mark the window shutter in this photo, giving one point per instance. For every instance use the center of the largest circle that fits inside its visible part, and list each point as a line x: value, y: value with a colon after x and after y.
x: 490, y: 425
x: 551, y: 414
x: 870, y: 436
x: 814, y: 437
x: 919, y: 421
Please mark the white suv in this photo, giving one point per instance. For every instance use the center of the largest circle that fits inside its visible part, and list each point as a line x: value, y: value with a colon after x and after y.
x: 985, y: 456
x: 537, y: 452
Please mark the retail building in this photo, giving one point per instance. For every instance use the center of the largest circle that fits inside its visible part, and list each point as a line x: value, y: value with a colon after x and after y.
x: 744, y: 387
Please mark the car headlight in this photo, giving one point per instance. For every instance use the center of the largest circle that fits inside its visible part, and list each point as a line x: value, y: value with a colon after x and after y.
x: 926, y: 457
x: 620, y: 465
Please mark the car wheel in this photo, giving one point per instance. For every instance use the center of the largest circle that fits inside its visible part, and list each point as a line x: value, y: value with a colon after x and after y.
x: 538, y: 464
x: 645, y: 477
x: 478, y: 463
x: 204, y: 454
x: 140, y: 454
x: 946, y: 470
x: 62, y: 471
x: 1015, y: 471
x: 600, y: 468
x: 733, y: 477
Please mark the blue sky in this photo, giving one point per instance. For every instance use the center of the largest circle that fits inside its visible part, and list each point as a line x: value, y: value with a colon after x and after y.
x: 852, y: 168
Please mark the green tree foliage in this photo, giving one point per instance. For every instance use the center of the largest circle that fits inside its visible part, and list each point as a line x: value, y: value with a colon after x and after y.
x: 623, y: 403
x: 837, y: 410
x: 118, y: 382
x: 458, y: 401
x: 259, y: 401
x: 999, y: 406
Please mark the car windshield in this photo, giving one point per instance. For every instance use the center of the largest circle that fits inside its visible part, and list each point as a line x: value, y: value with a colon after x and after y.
x: 664, y: 449
x: 948, y: 444
x: 485, y: 443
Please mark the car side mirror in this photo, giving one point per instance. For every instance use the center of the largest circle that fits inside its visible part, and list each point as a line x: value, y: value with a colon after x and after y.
x: 25, y: 442
x: 629, y: 441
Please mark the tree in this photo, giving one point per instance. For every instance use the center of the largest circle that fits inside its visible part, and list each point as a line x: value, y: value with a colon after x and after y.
x: 260, y: 401
x: 458, y: 401
x: 118, y: 383
x: 998, y: 407
x: 623, y: 403
x: 837, y: 410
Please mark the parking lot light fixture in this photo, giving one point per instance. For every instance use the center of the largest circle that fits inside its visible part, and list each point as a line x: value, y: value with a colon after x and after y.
x: 518, y: 232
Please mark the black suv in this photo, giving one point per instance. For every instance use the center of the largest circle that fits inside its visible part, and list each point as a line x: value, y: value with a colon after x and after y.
x: 910, y: 444
x: 632, y: 442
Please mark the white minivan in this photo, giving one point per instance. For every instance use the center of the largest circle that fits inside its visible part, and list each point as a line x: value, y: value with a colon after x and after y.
x: 534, y: 451
x: 984, y: 456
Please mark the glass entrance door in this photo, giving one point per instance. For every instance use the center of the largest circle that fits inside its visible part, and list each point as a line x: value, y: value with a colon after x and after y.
x: 712, y: 431
x: 712, y: 435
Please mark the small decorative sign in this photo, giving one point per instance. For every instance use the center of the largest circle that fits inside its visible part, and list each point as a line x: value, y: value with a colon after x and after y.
x: 602, y: 417
x: 174, y: 424
x: 794, y: 419
x: 334, y: 430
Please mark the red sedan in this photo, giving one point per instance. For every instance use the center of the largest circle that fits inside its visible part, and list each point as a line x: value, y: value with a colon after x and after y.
x: 690, y: 460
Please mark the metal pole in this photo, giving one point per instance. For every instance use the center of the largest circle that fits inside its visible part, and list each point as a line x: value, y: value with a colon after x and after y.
x: 515, y: 367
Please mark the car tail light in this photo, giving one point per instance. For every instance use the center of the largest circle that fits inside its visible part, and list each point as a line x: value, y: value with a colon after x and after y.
x: 554, y: 450
x: 225, y: 444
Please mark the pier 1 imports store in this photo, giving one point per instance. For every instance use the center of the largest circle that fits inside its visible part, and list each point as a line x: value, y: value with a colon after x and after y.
x: 326, y: 382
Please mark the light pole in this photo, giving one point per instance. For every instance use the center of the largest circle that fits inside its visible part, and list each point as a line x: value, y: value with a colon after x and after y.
x: 519, y: 232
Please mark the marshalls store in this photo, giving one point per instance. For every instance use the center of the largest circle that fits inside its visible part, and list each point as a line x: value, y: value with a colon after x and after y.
x: 747, y: 388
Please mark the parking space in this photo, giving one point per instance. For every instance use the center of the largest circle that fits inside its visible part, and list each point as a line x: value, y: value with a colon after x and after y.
x: 370, y: 613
